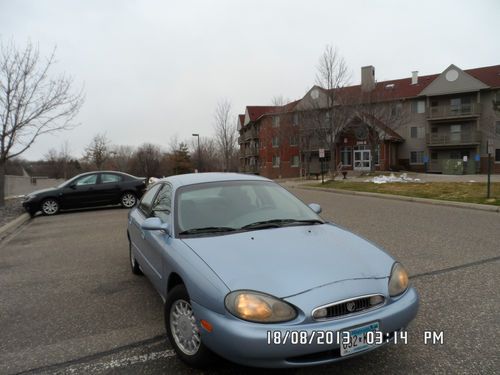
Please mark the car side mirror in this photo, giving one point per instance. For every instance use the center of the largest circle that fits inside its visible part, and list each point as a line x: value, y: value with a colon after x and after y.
x: 72, y: 186
x: 315, y: 207
x: 154, y: 223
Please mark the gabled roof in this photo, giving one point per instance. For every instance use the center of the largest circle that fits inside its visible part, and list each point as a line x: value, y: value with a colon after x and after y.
x: 389, y: 134
x: 256, y: 112
x: 403, y: 88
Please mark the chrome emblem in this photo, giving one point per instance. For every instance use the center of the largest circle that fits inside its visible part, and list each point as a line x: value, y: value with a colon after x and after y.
x: 351, y: 306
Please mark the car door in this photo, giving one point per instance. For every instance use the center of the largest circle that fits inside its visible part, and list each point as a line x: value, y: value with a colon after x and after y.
x: 109, y: 188
x: 81, y: 193
x: 157, y: 242
x: 137, y: 234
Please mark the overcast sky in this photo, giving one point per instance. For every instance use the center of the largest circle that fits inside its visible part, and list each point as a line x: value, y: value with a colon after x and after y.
x: 153, y: 69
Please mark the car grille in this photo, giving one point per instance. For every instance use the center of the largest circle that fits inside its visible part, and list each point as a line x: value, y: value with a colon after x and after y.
x: 352, y: 306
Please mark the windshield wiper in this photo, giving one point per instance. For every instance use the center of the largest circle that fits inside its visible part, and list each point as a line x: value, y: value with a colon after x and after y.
x: 208, y: 230
x: 276, y: 223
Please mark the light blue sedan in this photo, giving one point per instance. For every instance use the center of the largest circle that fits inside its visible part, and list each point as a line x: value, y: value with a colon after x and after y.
x: 250, y: 273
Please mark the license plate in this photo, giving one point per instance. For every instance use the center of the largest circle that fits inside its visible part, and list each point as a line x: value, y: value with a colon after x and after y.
x: 357, y: 339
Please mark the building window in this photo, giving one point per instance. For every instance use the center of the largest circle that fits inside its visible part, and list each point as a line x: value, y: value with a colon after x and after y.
x: 416, y: 157
x: 276, y: 161
x: 497, y: 155
x: 276, y: 142
x: 294, y: 140
x: 396, y: 109
x: 295, y: 161
x: 276, y: 122
x: 376, y: 155
x: 413, y: 132
x: 416, y: 132
x: 295, y: 119
x: 346, y: 156
x: 418, y: 106
x: 497, y: 128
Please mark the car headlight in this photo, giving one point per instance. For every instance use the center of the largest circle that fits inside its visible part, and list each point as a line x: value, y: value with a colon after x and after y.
x: 258, y: 307
x: 398, y: 281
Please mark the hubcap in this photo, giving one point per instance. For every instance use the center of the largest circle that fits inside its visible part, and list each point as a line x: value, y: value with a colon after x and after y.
x: 50, y: 207
x: 128, y: 200
x: 183, y: 327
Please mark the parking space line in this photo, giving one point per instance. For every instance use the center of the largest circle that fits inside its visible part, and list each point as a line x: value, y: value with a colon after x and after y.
x: 454, y: 268
x: 117, y: 363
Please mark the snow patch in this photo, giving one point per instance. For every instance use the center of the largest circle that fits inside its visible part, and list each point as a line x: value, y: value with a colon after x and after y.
x: 392, y: 178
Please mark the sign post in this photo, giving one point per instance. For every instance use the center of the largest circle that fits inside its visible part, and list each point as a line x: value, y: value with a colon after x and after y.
x: 321, y: 153
x: 490, y: 151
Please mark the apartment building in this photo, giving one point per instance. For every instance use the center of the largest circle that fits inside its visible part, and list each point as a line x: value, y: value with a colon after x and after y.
x: 441, y: 123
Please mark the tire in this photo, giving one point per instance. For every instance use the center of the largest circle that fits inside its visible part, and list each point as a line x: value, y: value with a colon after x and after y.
x: 192, y: 351
x: 49, y: 207
x: 136, y: 269
x: 128, y: 200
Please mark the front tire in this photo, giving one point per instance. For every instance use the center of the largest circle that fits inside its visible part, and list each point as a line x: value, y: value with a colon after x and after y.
x: 128, y: 200
x: 50, y: 207
x: 183, y: 330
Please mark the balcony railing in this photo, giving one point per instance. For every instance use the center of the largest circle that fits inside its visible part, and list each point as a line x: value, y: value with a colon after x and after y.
x: 449, y: 139
x: 250, y: 134
x: 251, y: 168
x: 251, y: 151
x: 452, y: 111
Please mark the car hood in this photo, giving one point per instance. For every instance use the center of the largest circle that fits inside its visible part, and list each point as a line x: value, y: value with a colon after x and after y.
x: 42, y: 191
x: 290, y: 260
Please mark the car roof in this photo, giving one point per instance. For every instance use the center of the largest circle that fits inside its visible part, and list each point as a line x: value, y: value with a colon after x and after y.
x: 199, y: 178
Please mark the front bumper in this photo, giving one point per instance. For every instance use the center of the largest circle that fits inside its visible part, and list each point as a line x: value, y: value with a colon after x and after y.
x: 246, y: 343
x: 30, y: 206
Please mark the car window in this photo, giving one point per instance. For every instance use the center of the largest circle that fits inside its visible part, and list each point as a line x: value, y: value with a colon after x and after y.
x: 108, y: 178
x: 235, y: 204
x: 87, y: 180
x: 147, y: 199
x: 163, y: 203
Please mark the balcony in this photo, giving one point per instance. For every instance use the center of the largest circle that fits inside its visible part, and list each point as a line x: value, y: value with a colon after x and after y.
x: 453, y: 139
x: 252, y: 168
x: 442, y: 112
x: 250, y: 134
x: 251, y: 151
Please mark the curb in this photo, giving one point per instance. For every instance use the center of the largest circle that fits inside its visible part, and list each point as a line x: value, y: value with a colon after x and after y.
x: 13, y: 225
x: 436, y: 202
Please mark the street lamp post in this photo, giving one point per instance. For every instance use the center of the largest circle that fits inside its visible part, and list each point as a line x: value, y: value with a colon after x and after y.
x: 199, y: 154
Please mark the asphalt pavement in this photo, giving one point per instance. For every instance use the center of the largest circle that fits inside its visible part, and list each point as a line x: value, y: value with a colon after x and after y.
x: 69, y: 303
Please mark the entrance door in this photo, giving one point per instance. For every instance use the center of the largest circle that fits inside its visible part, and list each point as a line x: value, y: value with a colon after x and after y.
x: 362, y: 160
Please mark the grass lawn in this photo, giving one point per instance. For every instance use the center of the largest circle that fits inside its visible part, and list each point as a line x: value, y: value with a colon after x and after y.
x: 471, y: 192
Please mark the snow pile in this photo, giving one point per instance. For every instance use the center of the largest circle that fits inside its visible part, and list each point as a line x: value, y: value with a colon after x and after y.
x: 392, y: 178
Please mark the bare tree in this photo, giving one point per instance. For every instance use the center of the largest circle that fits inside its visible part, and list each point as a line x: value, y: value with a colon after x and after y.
x: 377, y: 115
x: 329, y: 119
x: 121, y: 157
x: 225, y: 132
x: 209, y: 152
x: 147, y: 160
x: 279, y: 100
x: 98, y: 151
x: 31, y: 102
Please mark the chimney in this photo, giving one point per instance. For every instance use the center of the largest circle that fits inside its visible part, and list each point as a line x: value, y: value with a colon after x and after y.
x: 414, y: 77
x: 367, y: 78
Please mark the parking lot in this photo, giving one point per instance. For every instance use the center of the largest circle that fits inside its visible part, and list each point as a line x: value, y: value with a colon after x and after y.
x: 69, y: 303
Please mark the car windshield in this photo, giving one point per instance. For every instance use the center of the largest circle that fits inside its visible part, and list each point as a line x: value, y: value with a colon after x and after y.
x: 224, y: 207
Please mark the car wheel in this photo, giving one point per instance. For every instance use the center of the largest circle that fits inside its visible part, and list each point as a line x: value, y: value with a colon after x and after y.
x: 136, y: 269
x: 183, y: 331
x: 128, y: 200
x: 50, y: 207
